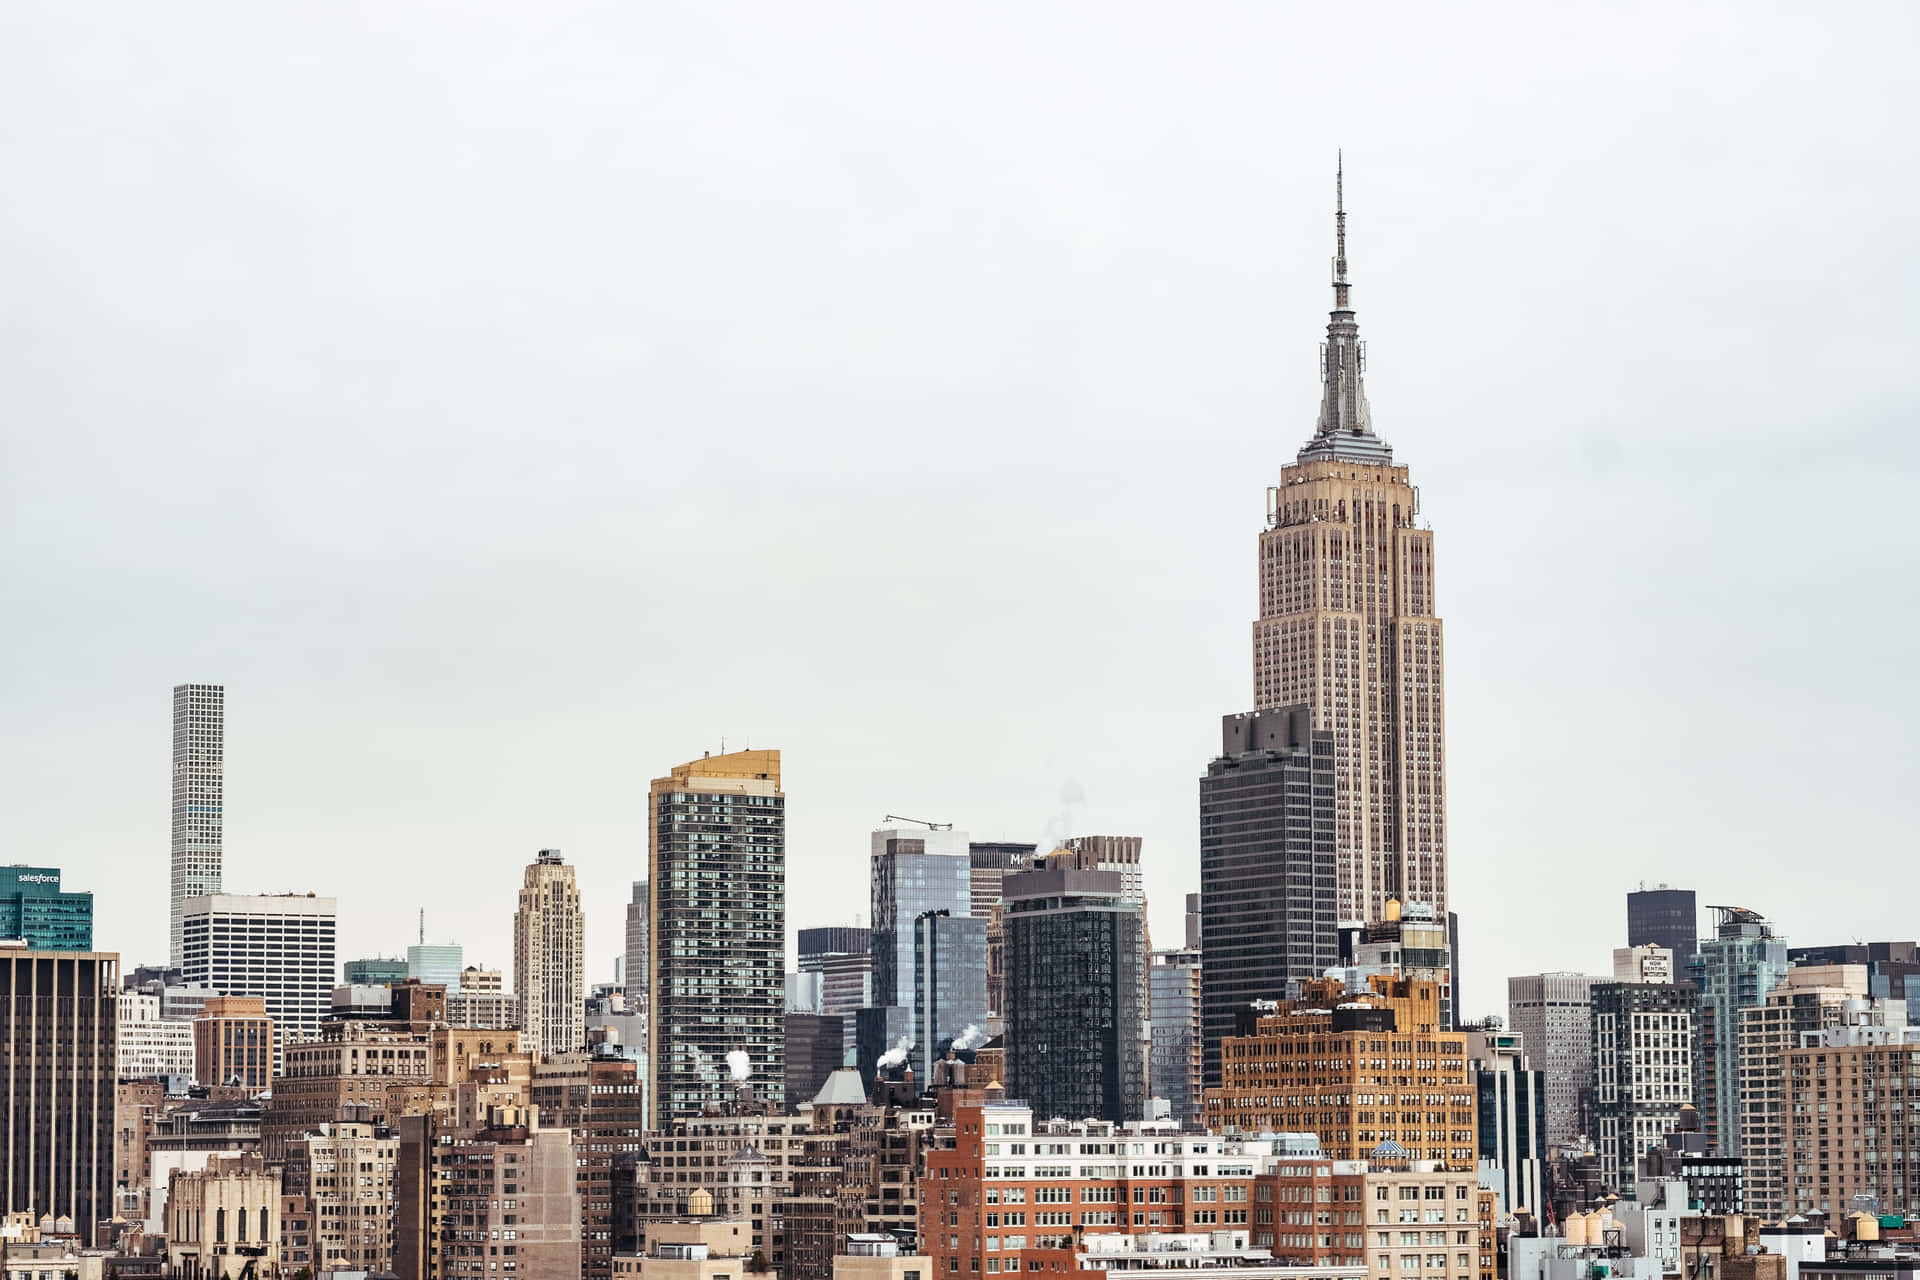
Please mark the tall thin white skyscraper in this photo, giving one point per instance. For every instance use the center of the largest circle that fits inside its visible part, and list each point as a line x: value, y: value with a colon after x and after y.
x: 199, y: 761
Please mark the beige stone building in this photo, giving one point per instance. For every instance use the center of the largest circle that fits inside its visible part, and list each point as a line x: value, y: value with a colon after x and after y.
x: 352, y: 1064
x: 1428, y: 1221
x: 878, y: 1257
x: 343, y: 1172
x: 1348, y: 627
x: 697, y: 1247
x: 1812, y: 998
x: 1358, y: 1068
x: 224, y: 1218
x: 550, y: 958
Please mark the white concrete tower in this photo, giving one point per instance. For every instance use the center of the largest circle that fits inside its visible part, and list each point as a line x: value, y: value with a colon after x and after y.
x: 199, y: 761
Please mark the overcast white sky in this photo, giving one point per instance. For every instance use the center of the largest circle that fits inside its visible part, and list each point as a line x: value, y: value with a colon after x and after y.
x: 509, y: 401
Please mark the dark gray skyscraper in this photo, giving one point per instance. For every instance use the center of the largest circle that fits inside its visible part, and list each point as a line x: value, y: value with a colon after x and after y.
x: 717, y: 942
x: 1268, y: 880
x: 1666, y: 918
x: 1074, y: 989
x: 58, y: 1047
x: 636, y: 949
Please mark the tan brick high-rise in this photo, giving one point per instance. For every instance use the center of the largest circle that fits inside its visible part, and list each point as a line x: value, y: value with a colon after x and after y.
x: 1347, y: 627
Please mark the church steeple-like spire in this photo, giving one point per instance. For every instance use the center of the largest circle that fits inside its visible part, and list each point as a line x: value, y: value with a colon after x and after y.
x: 1345, y: 428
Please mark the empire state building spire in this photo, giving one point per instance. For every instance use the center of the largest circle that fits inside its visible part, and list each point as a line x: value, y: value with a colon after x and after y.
x: 1345, y: 428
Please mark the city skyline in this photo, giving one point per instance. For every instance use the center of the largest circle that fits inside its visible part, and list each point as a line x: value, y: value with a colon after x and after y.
x: 937, y: 382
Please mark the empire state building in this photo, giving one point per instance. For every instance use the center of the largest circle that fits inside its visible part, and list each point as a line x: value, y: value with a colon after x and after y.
x: 1347, y: 628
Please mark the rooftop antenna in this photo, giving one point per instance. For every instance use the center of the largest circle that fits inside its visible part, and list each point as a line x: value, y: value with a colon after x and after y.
x: 423, y: 926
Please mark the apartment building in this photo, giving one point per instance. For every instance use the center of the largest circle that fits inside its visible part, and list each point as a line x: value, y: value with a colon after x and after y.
x: 1811, y: 998
x: 1850, y: 1091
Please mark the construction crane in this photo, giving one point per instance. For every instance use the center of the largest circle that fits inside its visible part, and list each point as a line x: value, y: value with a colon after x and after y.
x: 931, y: 826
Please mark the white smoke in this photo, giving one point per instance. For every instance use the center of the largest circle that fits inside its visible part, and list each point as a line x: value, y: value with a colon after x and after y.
x: 739, y: 1064
x: 702, y: 1066
x: 972, y: 1038
x: 898, y: 1054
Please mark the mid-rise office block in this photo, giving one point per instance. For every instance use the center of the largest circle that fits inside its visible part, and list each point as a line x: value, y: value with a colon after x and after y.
x: 1357, y: 1068
x: 1734, y: 969
x: 991, y: 862
x: 1268, y: 880
x: 438, y: 963
x: 1074, y: 994
x: 279, y: 947
x: 913, y: 870
x: 59, y: 1051
x: 150, y: 1045
x: 1666, y: 918
x: 1512, y: 1118
x: 1811, y: 998
x: 484, y: 1010
x: 1348, y: 627
x: 550, y: 956
x: 949, y: 982
x: 233, y: 1043
x: 1643, y: 963
x: 635, y: 968
x: 1643, y: 1069
x: 1173, y: 1005
x: 1553, y: 1012
x: 374, y: 971
x: 842, y: 957
x: 1848, y: 1090
x: 814, y: 1052
x: 36, y: 911
x: 199, y: 802
x: 1893, y: 968
x: 718, y: 936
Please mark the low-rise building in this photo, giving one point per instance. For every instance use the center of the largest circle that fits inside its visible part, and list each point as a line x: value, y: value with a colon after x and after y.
x: 697, y: 1247
x: 869, y: 1256
x: 224, y: 1220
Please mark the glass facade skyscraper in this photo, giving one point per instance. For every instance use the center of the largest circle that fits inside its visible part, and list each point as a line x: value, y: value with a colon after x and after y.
x: 915, y: 870
x: 717, y: 941
x: 1074, y: 991
x: 1734, y: 969
x: 35, y: 908
x: 949, y: 982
